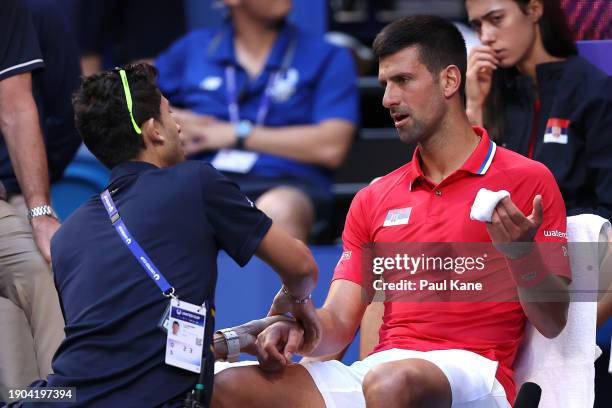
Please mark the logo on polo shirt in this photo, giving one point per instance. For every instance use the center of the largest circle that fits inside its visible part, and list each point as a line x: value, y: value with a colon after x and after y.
x: 399, y: 216
x: 555, y: 233
x: 556, y: 131
x: 284, y: 85
x: 346, y: 255
x: 211, y: 83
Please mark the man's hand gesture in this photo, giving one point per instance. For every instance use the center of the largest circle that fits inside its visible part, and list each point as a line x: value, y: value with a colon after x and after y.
x: 511, y: 232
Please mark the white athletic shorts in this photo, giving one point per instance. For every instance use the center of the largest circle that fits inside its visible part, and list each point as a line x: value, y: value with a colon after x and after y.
x: 471, y: 377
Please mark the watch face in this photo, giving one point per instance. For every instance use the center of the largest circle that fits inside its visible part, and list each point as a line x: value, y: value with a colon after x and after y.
x: 244, y: 129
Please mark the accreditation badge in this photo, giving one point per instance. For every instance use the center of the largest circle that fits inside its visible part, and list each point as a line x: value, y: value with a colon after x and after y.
x: 185, y: 338
x: 235, y: 161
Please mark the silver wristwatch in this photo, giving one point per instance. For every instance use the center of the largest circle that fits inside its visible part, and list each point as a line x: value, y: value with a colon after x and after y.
x: 233, y: 344
x: 41, y: 210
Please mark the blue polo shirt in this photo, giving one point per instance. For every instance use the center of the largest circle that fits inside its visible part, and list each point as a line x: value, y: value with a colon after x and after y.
x: 319, y: 83
x: 181, y: 216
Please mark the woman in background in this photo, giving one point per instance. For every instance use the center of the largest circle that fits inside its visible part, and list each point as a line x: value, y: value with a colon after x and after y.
x: 530, y: 90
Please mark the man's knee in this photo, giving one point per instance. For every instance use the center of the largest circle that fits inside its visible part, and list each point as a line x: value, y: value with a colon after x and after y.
x: 229, y: 388
x: 407, y: 383
x: 290, y: 208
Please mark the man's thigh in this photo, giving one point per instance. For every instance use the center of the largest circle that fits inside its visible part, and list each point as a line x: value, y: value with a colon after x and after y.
x: 251, y: 387
x: 471, y: 377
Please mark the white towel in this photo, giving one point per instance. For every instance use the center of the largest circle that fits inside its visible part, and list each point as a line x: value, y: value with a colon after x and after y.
x: 485, y: 202
x: 564, y: 366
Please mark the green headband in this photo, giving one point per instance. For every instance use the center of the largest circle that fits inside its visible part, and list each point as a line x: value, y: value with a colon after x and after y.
x: 128, y: 99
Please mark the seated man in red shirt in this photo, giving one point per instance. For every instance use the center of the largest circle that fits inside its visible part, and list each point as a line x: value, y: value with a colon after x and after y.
x: 434, y: 354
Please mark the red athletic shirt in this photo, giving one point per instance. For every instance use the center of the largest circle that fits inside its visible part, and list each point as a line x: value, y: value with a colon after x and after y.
x: 441, y: 213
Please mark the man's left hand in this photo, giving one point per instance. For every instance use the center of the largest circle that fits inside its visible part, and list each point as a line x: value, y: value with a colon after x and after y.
x: 43, y: 229
x: 510, y: 226
x: 213, y: 136
x: 248, y: 332
x: 304, y: 313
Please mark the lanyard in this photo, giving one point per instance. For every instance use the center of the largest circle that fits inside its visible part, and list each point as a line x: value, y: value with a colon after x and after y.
x: 232, y: 96
x: 264, y: 104
x: 140, y: 255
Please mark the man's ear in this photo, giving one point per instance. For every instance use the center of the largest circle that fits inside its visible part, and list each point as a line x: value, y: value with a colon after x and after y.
x: 450, y: 80
x: 152, y: 132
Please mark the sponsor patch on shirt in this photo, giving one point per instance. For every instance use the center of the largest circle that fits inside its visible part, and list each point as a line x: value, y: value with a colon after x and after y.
x: 556, y: 131
x: 555, y: 233
x: 399, y: 216
x: 346, y: 255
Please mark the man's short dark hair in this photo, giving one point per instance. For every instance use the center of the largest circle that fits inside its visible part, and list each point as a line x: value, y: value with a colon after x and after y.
x: 102, y: 117
x: 439, y: 42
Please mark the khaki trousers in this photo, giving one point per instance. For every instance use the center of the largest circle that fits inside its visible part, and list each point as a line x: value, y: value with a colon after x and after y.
x: 31, y: 322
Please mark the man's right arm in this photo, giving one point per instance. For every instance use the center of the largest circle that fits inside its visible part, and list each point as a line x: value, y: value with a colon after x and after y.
x: 21, y: 129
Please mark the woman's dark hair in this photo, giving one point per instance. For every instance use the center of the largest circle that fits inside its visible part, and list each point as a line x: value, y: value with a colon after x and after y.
x: 558, y: 42
x: 556, y: 35
x: 102, y: 117
x: 440, y: 43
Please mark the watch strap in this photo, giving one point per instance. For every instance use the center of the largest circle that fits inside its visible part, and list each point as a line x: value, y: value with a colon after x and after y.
x: 41, y: 210
x: 233, y: 344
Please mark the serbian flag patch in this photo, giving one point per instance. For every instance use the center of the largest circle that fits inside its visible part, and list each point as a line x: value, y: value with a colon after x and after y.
x: 399, y: 216
x: 556, y: 131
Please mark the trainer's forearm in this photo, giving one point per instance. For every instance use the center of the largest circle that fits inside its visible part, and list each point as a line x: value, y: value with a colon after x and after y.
x: 291, y: 259
x: 300, y: 281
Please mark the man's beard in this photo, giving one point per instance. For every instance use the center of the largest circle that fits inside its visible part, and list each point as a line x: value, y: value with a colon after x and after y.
x: 416, y: 132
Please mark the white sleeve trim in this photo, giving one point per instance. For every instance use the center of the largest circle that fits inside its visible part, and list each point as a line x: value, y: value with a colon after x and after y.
x: 34, y: 61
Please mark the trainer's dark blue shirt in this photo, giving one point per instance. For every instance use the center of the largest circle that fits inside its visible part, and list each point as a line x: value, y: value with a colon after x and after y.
x: 181, y: 216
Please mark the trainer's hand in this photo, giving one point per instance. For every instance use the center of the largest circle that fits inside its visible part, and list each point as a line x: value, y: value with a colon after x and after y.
x: 511, y: 232
x: 276, y: 345
x: 304, y: 313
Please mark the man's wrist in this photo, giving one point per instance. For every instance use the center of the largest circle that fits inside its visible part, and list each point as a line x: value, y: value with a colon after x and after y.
x: 528, y: 270
x: 219, y: 346
x: 474, y: 113
x: 43, y: 210
x: 296, y: 299
x: 243, y: 130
